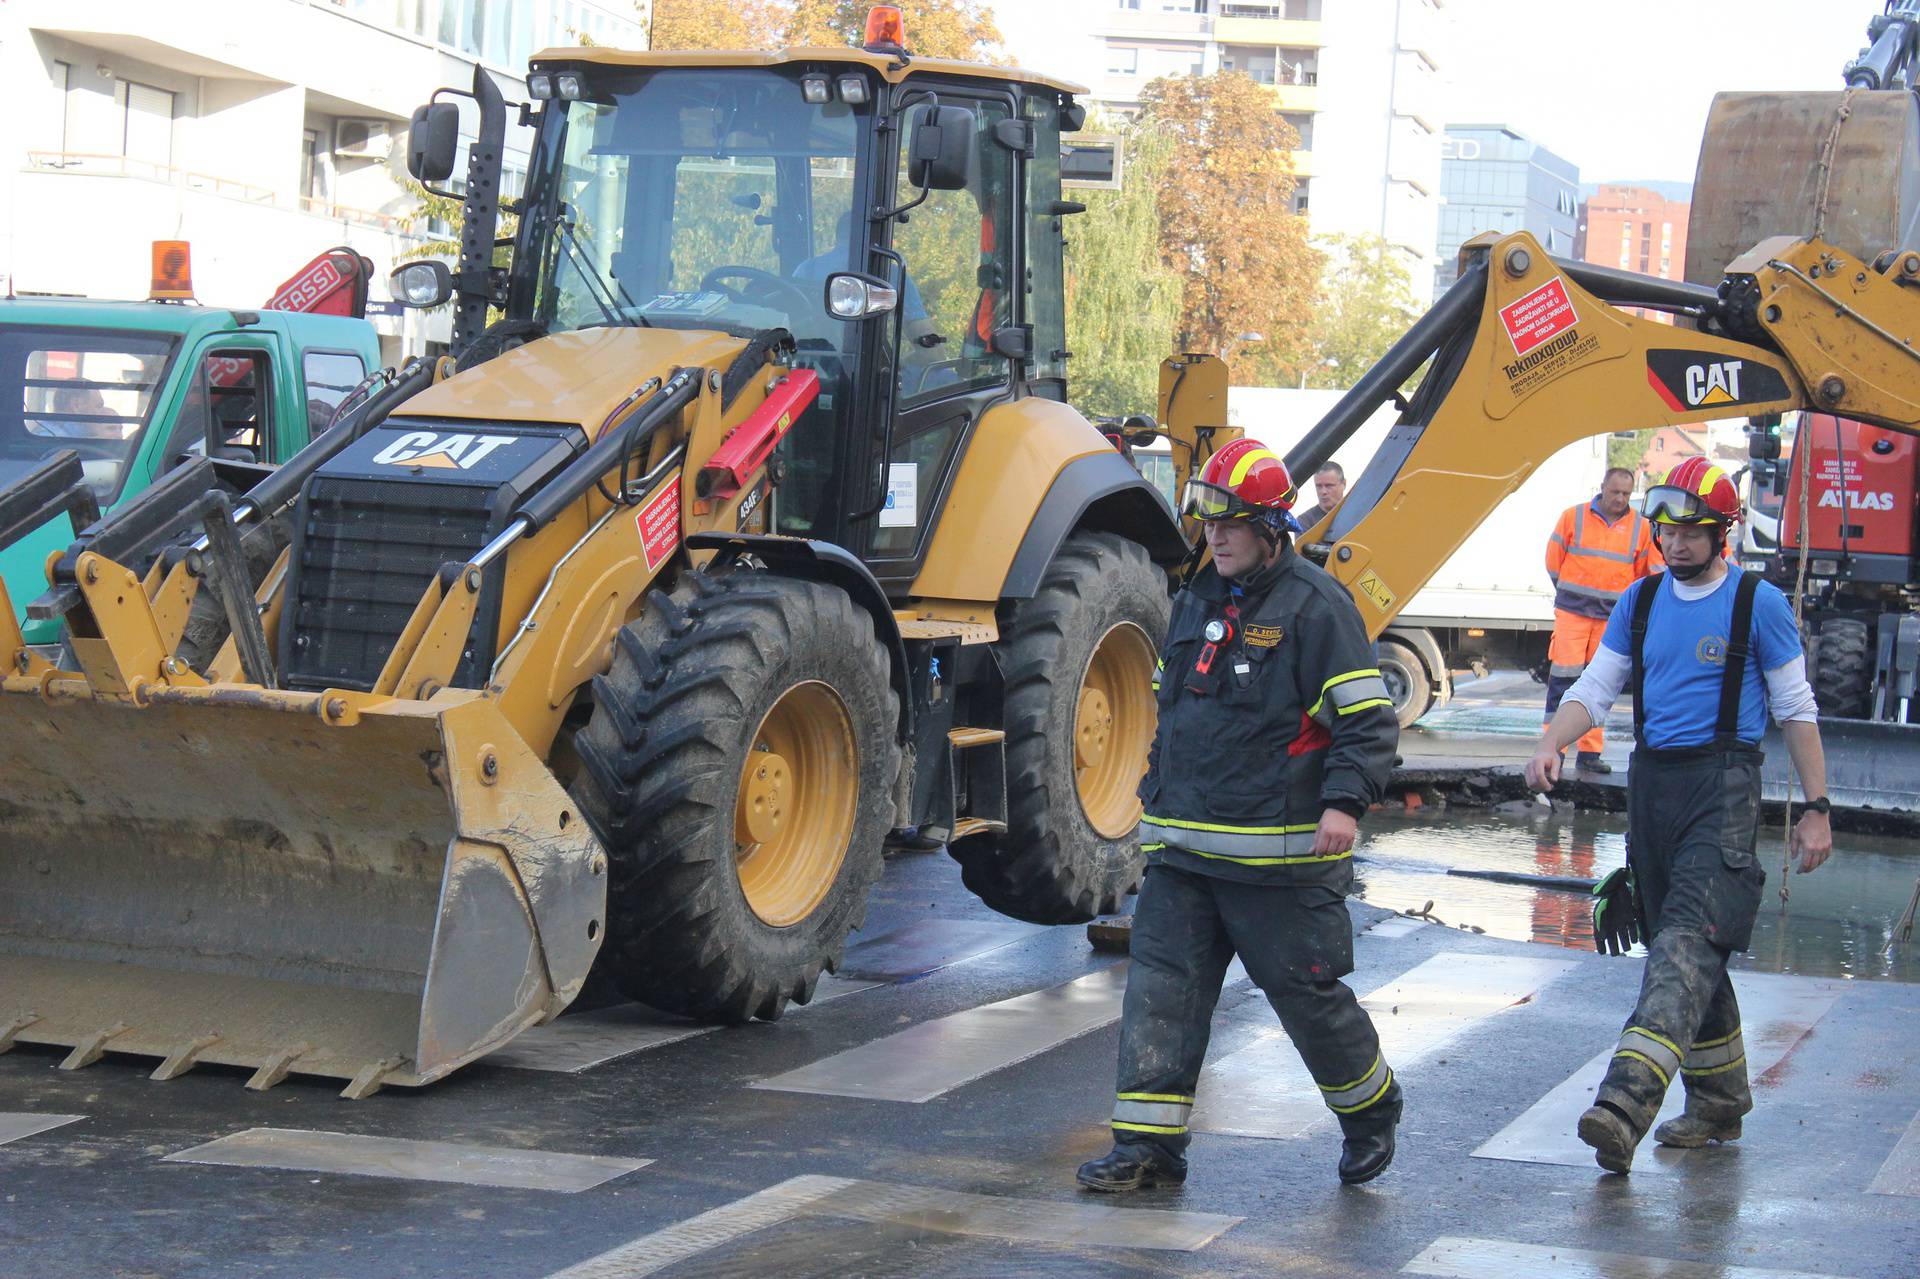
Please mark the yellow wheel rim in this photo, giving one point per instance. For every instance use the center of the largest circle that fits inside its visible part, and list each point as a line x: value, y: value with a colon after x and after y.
x: 794, y: 810
x: 1113, y: 726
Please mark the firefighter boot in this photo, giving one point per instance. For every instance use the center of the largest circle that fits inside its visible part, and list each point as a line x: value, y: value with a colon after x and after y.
x: 1132, y: 1167
x: 1611, y: 1135
x: 1691, y: 1131
x: 1367, y: 1145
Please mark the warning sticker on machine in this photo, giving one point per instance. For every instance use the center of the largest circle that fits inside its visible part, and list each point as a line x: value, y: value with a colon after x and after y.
x: 1538, y: 316
x: 659, y: 523
x: 1374, y: 589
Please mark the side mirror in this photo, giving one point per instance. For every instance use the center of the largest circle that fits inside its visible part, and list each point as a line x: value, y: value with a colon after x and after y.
x: 941, y: 158
x: 432, y: 140
x: 853, y: 296
x: 424, y: 284
x: 1073, y: 117
x: 1090, y: 162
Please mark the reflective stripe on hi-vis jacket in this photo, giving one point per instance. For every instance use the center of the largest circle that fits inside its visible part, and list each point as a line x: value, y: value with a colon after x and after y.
x: 1657, y: 1052
x: 1715, y: 1055
x: 1157, y: 1112
x: 1351, y: 692
x: 1247, y: 845
x: 1591, y: 561
x: 1345, y: 1099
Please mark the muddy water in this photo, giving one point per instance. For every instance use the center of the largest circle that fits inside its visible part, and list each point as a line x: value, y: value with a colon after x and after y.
x: 1837, y: 922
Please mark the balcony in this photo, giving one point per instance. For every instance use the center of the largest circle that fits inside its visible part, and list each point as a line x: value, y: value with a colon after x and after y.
x: 1142, y: 22
x: 1296, y: 33
x: 68, y: 163
x: 1297, y: 97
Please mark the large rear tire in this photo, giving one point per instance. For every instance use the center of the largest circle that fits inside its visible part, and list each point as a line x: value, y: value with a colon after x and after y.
x: 738, y: 767
x: 1843, y: 668
x: 1078, y: 659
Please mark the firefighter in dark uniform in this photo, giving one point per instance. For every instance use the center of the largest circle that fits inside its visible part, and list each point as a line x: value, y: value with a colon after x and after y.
x: 1707, y: 652
x: 1275, y: 735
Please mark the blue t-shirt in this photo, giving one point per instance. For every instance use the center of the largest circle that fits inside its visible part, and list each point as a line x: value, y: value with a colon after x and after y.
x: 1685, y: 654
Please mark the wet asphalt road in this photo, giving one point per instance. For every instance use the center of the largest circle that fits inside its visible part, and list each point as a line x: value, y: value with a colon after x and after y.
x: 1006, y: 1033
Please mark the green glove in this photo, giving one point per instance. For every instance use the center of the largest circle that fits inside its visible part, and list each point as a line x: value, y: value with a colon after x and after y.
x: 1616, y: 914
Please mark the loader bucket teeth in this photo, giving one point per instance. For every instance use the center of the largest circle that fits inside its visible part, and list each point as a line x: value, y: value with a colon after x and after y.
x: 225, y: 877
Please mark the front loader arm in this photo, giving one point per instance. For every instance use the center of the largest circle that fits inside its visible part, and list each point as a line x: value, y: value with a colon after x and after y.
x: 1528, y: 355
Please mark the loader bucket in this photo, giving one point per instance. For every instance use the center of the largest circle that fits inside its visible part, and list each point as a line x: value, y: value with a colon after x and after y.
x: 223, y: 874
x: 1843, y: 166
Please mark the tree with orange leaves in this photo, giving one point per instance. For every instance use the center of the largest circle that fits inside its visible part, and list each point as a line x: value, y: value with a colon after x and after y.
x: 1227, y: 223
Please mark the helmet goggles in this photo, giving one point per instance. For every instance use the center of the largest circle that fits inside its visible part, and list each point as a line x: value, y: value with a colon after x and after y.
x: 1672, y: 504
x: 1208, y: 502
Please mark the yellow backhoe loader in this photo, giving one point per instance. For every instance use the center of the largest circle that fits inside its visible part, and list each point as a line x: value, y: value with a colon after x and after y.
x: 754, y: 528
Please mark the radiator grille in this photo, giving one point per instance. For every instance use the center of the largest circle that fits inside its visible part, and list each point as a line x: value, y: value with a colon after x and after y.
x: 367, y: 551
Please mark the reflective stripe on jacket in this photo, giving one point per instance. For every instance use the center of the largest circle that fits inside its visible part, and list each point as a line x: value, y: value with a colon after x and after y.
x: 1592, y: 561
x: 1289, y: 717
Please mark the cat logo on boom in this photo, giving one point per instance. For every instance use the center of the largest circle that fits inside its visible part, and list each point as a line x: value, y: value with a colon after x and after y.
x: 1684, y: 381
x: 424, y: 448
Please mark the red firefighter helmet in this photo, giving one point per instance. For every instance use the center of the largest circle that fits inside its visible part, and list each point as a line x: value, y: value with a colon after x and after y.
x: 1694, y: 492
x: 1244, y: 480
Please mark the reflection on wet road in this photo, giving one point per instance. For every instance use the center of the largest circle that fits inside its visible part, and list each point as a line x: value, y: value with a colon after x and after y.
x: 1838, y: 922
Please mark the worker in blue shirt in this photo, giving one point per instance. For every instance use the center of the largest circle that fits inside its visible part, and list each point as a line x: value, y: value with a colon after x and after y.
x: 1707, y: 650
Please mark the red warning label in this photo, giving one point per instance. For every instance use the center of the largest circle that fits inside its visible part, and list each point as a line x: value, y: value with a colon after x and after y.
x: 1538, y: 316
x: 659, y: 522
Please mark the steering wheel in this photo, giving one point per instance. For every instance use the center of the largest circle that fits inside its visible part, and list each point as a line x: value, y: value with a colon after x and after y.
x: 794, y: 300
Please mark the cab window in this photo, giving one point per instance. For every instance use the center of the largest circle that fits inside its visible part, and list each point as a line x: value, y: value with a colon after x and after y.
x: 330, y: 377
x: 1046, y: 244
x: 960, y: 278
x: 225, y: 412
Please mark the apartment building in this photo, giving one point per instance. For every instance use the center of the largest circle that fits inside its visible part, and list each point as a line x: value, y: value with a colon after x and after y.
x: 1357, y: 79
x: 262, y: 131
x: 1494, y: 178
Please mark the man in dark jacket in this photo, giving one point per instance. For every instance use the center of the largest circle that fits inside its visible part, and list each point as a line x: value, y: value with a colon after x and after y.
x: 1275, y: 734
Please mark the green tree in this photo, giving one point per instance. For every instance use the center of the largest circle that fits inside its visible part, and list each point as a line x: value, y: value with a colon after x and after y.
x: 1630, y: 450
x: 1366, y: 302
x: 1123, y: 301
x: 1227, y: 225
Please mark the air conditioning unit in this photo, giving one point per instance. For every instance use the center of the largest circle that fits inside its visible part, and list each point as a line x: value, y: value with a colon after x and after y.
x: 362, y: 139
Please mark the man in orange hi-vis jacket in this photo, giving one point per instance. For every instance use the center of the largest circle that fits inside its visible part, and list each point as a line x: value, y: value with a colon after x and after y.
x: 1598, y: 549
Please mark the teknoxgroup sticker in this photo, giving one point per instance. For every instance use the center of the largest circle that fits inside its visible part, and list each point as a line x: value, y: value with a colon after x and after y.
x: 1687, y: 380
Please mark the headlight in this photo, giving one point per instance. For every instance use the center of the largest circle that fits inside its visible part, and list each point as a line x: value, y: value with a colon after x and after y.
x: 540, y: 85
x: 852, y: 297
x: 426, y: 283
x: 569, y: 85
x: 815, y: 89
x: 853, y: 89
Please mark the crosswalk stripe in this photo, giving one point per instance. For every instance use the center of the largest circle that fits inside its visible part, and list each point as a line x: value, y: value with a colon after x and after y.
x: 1024, y: 1221
x: 1776, y: 1012
x: 1263, y: 1090
x: 930, y: 945
x: 1900, y: 1174
x: 15, y: 1124
x: 581, y: 1041
x: 934, y: 1057
x: 1451, y: 1257
x: 338, y: 1152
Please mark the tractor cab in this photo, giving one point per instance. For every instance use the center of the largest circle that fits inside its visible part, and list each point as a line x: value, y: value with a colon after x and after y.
x: 899, y: 219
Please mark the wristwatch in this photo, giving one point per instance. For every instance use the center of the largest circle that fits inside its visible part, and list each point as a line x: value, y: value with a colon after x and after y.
x: 1822, y: 806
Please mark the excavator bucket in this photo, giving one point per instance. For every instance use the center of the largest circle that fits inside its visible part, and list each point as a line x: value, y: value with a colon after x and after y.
x: 333, y: 884
x: 1843, y: 166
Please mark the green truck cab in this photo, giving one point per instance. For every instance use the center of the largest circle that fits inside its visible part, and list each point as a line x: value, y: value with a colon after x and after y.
x: 136, y: 388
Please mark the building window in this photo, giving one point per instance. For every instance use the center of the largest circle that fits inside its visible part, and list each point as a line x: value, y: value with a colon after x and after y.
x: 1129, y: 4
x: 1123, y: 61
x: 146, y: 125
x: 313, y: 176
x: 63, y: 81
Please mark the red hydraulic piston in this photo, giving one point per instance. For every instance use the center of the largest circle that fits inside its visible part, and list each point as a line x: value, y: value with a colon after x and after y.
x: 748, y: 445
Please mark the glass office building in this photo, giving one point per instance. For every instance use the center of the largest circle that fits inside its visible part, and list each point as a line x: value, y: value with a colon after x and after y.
x: 1493, y: 178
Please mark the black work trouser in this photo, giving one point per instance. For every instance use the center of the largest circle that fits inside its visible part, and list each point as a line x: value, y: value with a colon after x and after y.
x: 1693, y: 821
x: 1296, y: 943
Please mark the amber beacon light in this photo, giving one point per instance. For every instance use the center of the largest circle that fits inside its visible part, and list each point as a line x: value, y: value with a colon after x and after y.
x: 886, y: 29
x: 172, y: 272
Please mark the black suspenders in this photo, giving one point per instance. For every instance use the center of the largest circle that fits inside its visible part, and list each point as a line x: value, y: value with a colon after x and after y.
x: 1726, y: 729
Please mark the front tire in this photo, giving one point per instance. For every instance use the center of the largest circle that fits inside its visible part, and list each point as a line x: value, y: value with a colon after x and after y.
x: 1078, y: 660
x: 1843, y: 670
x: 1407, y: 681
x: 738, y: 767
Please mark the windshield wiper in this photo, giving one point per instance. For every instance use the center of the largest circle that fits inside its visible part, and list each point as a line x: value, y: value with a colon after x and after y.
x: 602, y: 295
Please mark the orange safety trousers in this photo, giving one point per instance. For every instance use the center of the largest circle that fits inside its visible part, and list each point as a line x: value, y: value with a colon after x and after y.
x: 1575, y: 640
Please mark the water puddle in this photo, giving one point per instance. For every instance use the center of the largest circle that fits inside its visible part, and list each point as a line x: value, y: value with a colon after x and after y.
x: 1838, y: 922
